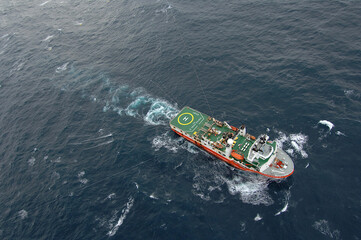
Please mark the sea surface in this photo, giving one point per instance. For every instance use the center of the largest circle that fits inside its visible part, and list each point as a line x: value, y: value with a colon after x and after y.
x: 87, y: 89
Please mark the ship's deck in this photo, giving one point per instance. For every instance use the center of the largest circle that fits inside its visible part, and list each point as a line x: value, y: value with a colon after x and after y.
x: 213, y: 134
x: 189, y: 120
x: 196, y: 123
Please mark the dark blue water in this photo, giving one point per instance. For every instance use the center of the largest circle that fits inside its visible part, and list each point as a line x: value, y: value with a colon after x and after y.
x: 87, y: 89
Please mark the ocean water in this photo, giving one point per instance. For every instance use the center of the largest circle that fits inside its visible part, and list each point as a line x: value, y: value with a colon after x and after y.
x: 87, y: 89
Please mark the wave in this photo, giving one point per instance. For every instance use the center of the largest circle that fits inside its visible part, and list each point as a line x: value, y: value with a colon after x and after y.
x: 48, y: 38
x: 154, y: 111
x: 327, y: 123
x: 287, y: 199
x: 323, y: 227
x: 62, y: 68
x: 42, y: 4
x: 209, y: 182
x: 251, y: 189
x: 125, y: 211
x: 350, y: 93
x: 122, y: 99
x: 172, y: 144
x: 31, y: 161
x: 23, y: 214
x: 294, y: 142
x: 258, y: 217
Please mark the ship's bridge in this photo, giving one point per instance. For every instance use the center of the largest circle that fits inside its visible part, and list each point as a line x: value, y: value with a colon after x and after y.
x: 261, y: 149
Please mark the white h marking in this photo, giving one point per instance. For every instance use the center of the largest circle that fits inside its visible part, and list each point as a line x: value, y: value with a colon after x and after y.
x: 185, y: 118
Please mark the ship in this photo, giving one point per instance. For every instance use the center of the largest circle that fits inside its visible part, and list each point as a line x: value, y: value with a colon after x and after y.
x: 233, y: 145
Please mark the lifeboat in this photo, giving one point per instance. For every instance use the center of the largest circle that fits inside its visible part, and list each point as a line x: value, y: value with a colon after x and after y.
x: 218, y: 145
x: 237, y: 156
x: 234, y: 128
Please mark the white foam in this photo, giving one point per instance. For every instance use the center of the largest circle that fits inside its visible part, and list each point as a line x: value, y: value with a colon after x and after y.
x: 172, y: 144
x: 296, y: 141
x: 164, y: 9
x: 48, y: 38
x: 323, y: 227
x: 133, y: 107
x: 243, y: 226
x: 23, y: 214
x: 258, y: 217
x: 290, y: 151
x: 252, y: 189
x: 153, y: 111
x: 284, y: 209
x: 281, y: 139
x: 83, y: 180
x: 122, y: 217
x: 327, y: 123
x: 350, y: 93
x: 81, y: 174
x: 340, y: 133
x: 58, y: 160
x: 42, y: 4
x: 112, y: 195
x: 152, y: 196
x: 159, y: 112
x: 62, y: 68
x: 31, y: 161
x: 4, y: 36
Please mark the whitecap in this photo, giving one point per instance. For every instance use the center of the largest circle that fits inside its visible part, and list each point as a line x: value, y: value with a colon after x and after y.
x: 133, y: 107
x: 258, y: 217
x: 122, y: 217
x: 48, y: 38
x: 172, y: 144
x: 62, y: 68
x: 243, y: 226
x: 81, y: 174
x: 323, y: 227
x: 281, y: 139
x: 58, y: 160
x: 350, y: 93
x: 338, y: 133
x: 83, y: 180
x: 296, y: 140
x: 284, y: 209
x: 252, y: 189
x: 42, y: 4
x: 31, y: 161
x: 23, y: 214
x: 287, y: 199
x: 112, y: 195
x: 160, y: 111
x: 290, y: 151
x: 152, y: 196
x: 327, y: 123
